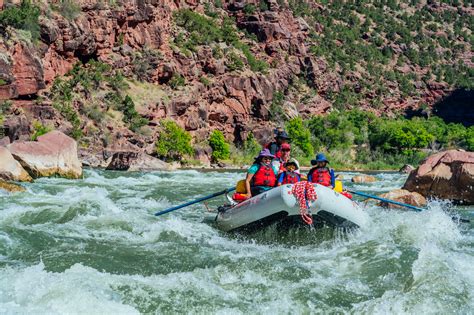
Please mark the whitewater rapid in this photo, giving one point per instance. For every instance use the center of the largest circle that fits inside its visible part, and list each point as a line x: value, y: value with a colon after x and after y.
x: 93, y: 246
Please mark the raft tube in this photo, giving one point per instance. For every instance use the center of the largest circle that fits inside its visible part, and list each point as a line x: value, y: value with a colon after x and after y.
x: 279, y: 205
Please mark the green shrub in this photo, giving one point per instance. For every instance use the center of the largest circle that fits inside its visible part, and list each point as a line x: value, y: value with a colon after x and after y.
x: 276, y: 107
x: 300, y: 136
x: 251, y: 147
x: 174, y: 142
x: 205, y: 81
x: 249, y: 9
x: 220, y: 148
x: 69, y: 9
x: 23, y: 17
x: 131, y: 116
x: 234, y: 62
x: 177, y: 80
x: 39, y: 130
x: 470, y: 139
x: 3, y: 82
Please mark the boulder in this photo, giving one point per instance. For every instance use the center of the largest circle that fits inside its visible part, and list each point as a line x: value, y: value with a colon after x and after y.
x: 53, y: 154
x: 403, y: 196
x: 406, y: 169
x: 363, y: 178
x: 10, y: 187
x: 4, y: 141
x: 10, y: 169
x: 445, y: 175
x: 136, y: 161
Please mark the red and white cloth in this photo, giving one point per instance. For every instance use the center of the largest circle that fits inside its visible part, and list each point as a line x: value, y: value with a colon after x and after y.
x: 304, y: 193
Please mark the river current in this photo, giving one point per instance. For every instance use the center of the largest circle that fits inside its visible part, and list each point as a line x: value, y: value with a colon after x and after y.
x: 93, y: 246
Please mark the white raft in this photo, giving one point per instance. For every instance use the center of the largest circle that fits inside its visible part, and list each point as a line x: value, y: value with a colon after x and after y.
x: 279, y: 205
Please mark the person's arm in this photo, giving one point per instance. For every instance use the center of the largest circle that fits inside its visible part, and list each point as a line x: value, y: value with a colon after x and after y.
x: 247, y: 184
x: 280, y: 179
x: 333, y: 178
x: 310, y: 176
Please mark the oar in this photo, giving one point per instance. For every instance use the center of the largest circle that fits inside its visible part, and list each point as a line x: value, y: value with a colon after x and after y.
x: 225, y: 191
x: 386, y: 200
x: 400, y: 204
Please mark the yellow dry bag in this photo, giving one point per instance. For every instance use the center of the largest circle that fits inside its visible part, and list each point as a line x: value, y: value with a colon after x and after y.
x: 338, y: 186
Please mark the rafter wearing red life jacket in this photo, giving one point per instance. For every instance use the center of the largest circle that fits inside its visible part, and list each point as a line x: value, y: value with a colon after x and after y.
x: 289, y: 177
x: 265, y: 176
x: 320, y: 176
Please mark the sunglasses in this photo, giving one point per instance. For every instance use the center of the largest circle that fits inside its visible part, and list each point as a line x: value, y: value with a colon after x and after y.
x: 286, y: 150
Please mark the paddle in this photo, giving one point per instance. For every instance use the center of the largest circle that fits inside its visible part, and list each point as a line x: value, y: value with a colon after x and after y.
x: 386, y: 200
x: 225, y: 191
x: 400, y: 204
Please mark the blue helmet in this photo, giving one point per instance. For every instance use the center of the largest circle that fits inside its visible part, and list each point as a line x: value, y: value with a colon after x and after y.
x: 320, y: 157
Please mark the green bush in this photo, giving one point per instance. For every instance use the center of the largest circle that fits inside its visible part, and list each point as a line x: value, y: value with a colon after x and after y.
x: 131, y: 116
x: 69, y: 9
x: 470, y: 139
x: 39, y: 130
x: 276, y: 107
x: 176, y: 81
x: 220, y: 148
x: 24, y: 17
x: 300, y: 136
x: 251, y: 147
x: 174, y: 142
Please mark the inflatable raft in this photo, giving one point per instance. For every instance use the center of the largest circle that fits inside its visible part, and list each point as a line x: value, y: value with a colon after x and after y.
x: 279, y: 205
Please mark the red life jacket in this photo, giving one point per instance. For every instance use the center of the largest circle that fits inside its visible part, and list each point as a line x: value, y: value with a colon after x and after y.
x: 265, y: 176
x: 290, y: 178
x: 320, y: 176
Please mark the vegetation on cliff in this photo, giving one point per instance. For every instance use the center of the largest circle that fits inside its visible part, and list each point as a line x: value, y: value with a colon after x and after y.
x: 389, y: 45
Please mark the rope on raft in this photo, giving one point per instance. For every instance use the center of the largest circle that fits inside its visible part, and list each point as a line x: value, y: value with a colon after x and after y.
x: 304, y: 192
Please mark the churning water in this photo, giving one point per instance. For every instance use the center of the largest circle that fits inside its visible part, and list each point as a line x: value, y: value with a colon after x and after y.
x: 93, y: 246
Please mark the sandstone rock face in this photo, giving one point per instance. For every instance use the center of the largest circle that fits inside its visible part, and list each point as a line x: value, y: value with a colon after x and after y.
x: 445, y: 175
x: 363, y: 179
x: 135, y: 161
x: 10, y: 187
x: 403, y: 196
x: 10, y: 169
x: 54, y: 154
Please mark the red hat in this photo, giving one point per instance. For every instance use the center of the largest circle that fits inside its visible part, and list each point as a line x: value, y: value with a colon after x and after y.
x: 286, y: 146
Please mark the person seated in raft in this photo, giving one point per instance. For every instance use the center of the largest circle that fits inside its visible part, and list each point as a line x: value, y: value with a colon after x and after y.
x: 262, y: 175
x: 320, y: 173
x: 275, y: 147
x: 289, y: 175
x: 284, y: 157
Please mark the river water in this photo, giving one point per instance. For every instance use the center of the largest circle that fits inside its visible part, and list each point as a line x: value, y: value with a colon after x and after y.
x: 93, y: 246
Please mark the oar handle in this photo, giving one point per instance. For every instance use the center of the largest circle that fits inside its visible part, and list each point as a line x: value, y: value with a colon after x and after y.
x: 225, y: 191
x: 386, y: 200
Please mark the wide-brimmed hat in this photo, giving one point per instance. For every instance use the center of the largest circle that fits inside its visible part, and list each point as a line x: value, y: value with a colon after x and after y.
x: 265, y: 153
x: 320, y: 157
x: 282, y: 135
x: 294, y: 162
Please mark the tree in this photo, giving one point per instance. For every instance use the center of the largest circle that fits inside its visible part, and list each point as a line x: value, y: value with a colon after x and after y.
x: 220, y: 148
x: 174, y: 142
x: 300, y: 136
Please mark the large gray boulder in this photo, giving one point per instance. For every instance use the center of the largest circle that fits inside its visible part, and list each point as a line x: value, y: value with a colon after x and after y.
x: 53, y: 154
x: 445, y: 175
x: 136, y: 161
x: 10, y: 169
